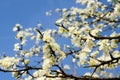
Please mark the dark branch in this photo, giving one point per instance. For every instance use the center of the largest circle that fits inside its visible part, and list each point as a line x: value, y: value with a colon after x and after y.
x: 39, y: 33
x: 112, y: 61
x: 103, y: 37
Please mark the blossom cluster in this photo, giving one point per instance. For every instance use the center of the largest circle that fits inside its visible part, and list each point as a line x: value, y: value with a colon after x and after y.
x: 8, y: 62
x: 93, y: 37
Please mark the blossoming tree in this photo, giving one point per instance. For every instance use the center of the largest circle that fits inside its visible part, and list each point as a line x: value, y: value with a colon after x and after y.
x: 92, y: 35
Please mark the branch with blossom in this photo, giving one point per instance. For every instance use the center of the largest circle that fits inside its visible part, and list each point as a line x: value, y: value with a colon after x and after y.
x: 92, y: 35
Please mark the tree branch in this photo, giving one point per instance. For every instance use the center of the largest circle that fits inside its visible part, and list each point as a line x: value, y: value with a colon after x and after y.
x: 112, y: 61
x: 102, y: 37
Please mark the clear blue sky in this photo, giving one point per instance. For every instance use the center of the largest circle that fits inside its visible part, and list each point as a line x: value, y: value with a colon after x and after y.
x: 28, y: 13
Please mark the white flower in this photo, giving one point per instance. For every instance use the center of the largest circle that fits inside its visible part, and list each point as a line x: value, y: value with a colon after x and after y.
x: 33, y: 37
x: 83, y: 2
x: 95, y: 32
x: 73, y: 60
x: 87, y: 74
x: 114, y: 43
x: 114, y: 34
x: 38, y: 37
x: 58, y: 10
x: 24, y: 42
x: 105, y: 57
x: 109, y: 0
x: 66, y: 67
x: 41, y: 78
x: 36, y: 74
x: 82, y: 57
x: 94, y: 54
x: 72, y: 30
x: 59, y: 21
x: 28, y: 29
x: 28, y: 78
x: 20, y: 34
x: 17, y: 27
x: 61, y: 30
x: 27, y: 61
x: 14, y: 74
x: 46, y: 49
x: 55, y: 46
x: 64, y: 9
x: 49, y: 13
x: 91, y: 3
x: 116, y: 54
x: 62, y: 55
x: 93, y: 62
x: 104, y: 45
x: 7, y: 62
x: 16, y: 47
x: 117, y: 9
x: 47, y: 36
x: 39, y: 25
x: 89, y: 45
x: 28, y: 54
x: 76, y: 41
x: 47, y: 63
x: 95, y: 75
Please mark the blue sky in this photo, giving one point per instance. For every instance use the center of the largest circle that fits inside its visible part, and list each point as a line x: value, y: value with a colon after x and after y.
x: 28, y: 13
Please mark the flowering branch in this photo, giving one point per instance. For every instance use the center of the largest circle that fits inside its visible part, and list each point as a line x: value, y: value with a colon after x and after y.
x: 103, y: 37
x: 102, y: 63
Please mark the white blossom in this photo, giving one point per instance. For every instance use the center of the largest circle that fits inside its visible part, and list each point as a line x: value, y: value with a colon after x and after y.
x: 117, y: 9
x: 7, y: 62
x: 40, y: 50
x: 47, y: 36
x: 27, y: 61
x: 47, y: 64
x: 59, y: 21
x: 94, y: 54
x: 28, y: 78
x: 48, y: 13
x: 64, y: 9
x: 17, y: 27
x: 58, y: 10
x: 39, y: 25
x: 66, y: 67
x: 87, y: 74
x: 17, y: 47
x: 82, y: 57
x: 41, y: 78
x: 73, y: 60
x: 109, y: 0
